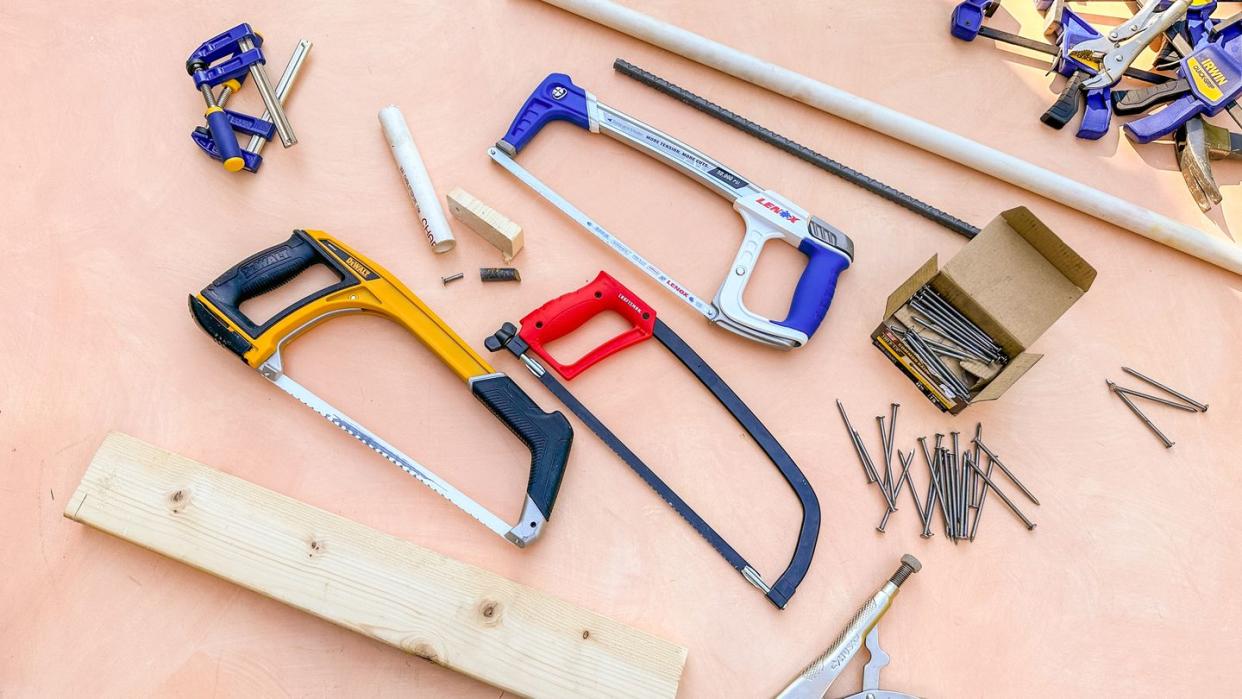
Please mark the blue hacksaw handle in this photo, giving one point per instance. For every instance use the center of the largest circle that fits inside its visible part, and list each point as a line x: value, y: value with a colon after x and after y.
x: 816, y: 287
x: 556, y: 98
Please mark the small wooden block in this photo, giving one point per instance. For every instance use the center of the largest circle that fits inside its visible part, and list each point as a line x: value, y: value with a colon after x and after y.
x: 464, y: 618
x: 491, y: 225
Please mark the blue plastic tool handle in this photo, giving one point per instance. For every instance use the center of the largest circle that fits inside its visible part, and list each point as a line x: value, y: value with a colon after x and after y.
x: 1218, y: 65
x: 222, y: 45
x: 222, y: 133
x: 967, y: 19
x: 556, y: 98
x: 1098, y: 115
x: 816, y: 287
x: 1074, y: 31
x: 250, y: 125
x: 232, y: 68
x: 202, y: 138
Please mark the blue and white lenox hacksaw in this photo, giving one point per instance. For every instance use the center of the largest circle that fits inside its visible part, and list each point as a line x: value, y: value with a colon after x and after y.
x: 767, y: 215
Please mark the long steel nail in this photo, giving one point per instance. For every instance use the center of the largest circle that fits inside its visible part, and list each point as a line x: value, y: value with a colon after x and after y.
x: 888, y: 461
x: 901, y: 480
x: 952, y: 311
x: 1156, y: 399
x: 1168, y: 443
x: 933, y: 489
x: 983, y: 497
x: 992, y: 455
x: 1005, y: 498
x: 963, y: 333
x: 974, y: 480
x: 858, y: 447
x: 1201, y: 406
x: 966, y: 481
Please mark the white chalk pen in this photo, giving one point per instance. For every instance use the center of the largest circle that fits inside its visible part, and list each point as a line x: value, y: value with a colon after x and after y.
x: 417, y: 181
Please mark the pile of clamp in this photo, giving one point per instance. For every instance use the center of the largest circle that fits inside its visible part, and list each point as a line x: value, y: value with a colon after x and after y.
x: 1198, y: 75
x: 224, y: 61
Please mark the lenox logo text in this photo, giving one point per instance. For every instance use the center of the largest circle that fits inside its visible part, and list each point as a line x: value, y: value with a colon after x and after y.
x: 780, y: 210
x: 675, y: 287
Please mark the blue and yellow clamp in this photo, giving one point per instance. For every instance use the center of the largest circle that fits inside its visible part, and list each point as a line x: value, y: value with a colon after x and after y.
x: 225, y: 60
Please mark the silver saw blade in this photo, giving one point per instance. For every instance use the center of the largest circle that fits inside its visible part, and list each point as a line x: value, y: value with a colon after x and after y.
x: 271, y: 370
x: 679, y: 290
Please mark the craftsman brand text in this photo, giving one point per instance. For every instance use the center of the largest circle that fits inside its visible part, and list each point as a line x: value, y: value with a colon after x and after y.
x: 780, y: 210
x: 625, y: 299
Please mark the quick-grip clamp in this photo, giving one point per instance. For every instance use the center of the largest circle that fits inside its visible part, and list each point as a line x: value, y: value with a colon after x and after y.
x: 226, y: 59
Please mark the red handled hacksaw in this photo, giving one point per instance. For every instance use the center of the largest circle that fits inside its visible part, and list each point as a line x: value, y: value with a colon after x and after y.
x: 563, y: 315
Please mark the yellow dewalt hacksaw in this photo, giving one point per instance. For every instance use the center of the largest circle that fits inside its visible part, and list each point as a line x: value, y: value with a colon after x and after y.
x: 365, y: 287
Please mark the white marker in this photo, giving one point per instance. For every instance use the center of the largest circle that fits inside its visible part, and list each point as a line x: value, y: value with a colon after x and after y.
x: 416, y: 179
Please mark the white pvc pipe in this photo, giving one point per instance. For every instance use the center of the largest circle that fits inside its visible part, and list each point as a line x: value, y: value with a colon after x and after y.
x: 414, y: 172
x: 915, y: 132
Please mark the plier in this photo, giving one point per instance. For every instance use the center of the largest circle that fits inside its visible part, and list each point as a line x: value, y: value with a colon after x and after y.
x: 1094, y: 62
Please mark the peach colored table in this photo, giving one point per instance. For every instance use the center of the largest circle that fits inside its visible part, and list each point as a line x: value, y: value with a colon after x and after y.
x: 111, y: 216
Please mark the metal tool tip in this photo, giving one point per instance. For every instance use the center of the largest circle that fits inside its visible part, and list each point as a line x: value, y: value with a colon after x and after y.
x: 909, y: 566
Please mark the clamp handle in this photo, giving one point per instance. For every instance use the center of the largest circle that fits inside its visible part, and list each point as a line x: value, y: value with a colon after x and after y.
x: 203, y: 139
x: 556, y: 98
x: 1097, y: 116
x: 568, y: 312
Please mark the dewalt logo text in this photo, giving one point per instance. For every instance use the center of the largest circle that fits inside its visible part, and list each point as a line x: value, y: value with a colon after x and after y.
x: 358, y: 267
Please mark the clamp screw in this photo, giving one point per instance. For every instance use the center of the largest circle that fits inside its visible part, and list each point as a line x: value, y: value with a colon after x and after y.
x: 451, y: 278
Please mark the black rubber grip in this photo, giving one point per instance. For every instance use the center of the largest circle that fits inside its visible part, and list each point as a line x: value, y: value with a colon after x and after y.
x: 547, y: 435
x: 1129, y: 102
x: 218, y: 329
x: 797, y: 150
x: 267, y: 270
x: 1066, y: 107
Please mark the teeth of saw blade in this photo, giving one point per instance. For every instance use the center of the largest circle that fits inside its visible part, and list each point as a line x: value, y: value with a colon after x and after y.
x: 363, y: 435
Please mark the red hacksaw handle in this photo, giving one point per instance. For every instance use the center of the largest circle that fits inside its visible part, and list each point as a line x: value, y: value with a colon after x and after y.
x: 566, y: 313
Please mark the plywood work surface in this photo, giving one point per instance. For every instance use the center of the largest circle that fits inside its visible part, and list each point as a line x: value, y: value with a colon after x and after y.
x: 111, y: 217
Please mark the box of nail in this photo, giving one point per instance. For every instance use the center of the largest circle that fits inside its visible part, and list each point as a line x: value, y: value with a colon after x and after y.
x: 960, y: 332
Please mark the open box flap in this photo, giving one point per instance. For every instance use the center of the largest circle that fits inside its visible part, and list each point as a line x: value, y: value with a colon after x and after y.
x: 1008, y: 376
x: 898, y: 298
x: 1016, y: 276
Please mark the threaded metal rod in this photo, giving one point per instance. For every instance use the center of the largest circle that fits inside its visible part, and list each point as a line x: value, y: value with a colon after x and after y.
x: 797, y: 150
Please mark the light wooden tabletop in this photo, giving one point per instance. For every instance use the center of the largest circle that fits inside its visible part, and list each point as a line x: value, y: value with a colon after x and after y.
x: 111, y: 217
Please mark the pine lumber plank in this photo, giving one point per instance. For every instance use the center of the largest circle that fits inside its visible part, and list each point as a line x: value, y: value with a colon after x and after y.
x: 464, y: 618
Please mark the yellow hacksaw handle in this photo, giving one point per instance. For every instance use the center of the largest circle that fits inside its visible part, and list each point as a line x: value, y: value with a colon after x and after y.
x: 363, y: 286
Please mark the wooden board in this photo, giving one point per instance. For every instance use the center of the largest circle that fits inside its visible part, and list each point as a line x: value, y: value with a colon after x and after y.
x: 452, y: 614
